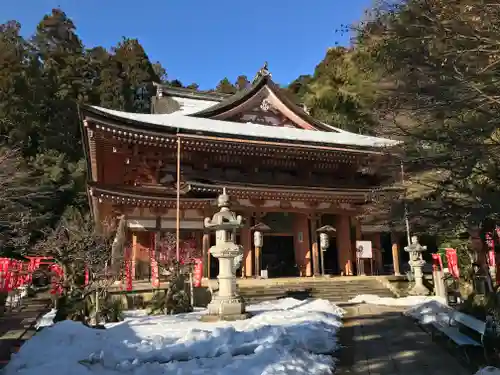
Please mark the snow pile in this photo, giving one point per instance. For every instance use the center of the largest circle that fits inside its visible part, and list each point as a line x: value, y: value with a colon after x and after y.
x: 389, y: 301
x: 46, y: 320
x: 431, y: 312
x: 488, y: 371
x: 16, y: 296
x: 283, y: 337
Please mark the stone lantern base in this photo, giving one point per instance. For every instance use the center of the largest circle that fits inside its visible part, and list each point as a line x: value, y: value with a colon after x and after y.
x: 419, y: 288
x: 226, y: 310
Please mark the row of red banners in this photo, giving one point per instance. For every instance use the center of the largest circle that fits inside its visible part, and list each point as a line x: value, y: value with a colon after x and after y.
x: 163, y: 257
x: 451, y: 259
x: 16, y: 273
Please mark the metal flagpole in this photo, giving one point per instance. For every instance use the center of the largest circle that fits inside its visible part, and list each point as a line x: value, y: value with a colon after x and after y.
x: 407, y: 223
x: 178, y: 213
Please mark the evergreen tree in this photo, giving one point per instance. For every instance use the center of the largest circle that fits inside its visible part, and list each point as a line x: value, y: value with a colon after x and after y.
x: 299, y: 87
x: 225, y: 87
x: 160, y: 72
x: 176, y: 83
x: 242, y: 82
x: 108, y: 80
x: 138, y: 75
x: 193, y: 86
x: 19, y: 90
x: 338, y: 94
x: 436, y: 62
x: 65, y: 82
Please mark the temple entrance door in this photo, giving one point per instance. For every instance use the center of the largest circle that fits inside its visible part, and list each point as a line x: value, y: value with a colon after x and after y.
x: 278, y: 255
x: 331, y: 258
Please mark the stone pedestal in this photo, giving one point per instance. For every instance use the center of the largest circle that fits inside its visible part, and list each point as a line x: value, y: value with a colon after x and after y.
x: 439, y: 284
x: 419, y: 288
x: 226, y: 304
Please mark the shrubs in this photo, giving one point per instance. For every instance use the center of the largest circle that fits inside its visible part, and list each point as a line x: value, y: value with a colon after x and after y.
x: 82, y: 308
x: 175, y: 300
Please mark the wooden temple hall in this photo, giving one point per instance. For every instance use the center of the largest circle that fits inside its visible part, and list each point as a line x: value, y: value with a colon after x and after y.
x: 157, y: 176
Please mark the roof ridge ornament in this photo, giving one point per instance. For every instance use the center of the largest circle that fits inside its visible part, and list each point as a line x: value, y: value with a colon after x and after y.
x: 263, y: 72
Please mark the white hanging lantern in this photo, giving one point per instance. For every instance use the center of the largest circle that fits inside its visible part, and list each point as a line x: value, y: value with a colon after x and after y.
x: 324, y: 241
x: 258, y: 239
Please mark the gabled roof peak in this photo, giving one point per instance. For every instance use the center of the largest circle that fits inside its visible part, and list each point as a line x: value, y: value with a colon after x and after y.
x: 263, y: 72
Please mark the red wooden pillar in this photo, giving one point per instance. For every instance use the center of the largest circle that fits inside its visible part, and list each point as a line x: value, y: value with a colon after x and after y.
x: 345, y: 253
x: 246, y: 242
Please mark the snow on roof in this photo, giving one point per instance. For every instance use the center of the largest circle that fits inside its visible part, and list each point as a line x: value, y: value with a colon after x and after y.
x: 179, y: 121
x: 189, y: 106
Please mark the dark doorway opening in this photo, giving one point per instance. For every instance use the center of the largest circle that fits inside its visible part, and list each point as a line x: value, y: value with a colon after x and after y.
x: 278, y: 256
x: 214, y: 262
x: 331, y: 258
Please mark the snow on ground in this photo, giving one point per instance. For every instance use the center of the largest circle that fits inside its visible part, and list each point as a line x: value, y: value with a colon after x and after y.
x: 46, y: 320
x: 425, y: 309
x: 286, y: 336
x: 488, y: 371
x: 16, y: 296
x: 430, y: 312
x: 389, y: 301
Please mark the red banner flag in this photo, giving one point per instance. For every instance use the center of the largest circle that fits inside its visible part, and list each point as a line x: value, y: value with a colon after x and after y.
x: 4, y: 267
x: 198, y: 272
x: 452, y: 259
x: 437, y: 260
x: 87, y: 276
x: 155, y: 281
x: 56, y: 279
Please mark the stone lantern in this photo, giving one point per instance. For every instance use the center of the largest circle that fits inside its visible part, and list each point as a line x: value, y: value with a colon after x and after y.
x: 417, y: 263
x: 324, y: 242
x: 226, y: 304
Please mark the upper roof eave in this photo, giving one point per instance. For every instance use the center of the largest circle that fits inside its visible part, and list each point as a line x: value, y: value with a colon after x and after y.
x: 179, y: 124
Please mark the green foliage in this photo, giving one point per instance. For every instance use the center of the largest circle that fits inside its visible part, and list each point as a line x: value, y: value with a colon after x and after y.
x: 175, y: 300
x: 437, y: 67
x: 338, y: 93
x: 42, y: 80
x: 242, y: 82
x: 225, y: 87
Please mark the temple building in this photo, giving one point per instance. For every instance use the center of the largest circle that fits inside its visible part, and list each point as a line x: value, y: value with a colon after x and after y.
x: 157, y: 177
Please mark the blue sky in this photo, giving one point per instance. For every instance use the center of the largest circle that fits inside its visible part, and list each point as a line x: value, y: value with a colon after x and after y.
x: 203, y: 41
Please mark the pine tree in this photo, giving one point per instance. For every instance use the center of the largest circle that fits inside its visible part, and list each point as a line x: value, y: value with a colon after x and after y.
x: 225, y: 87
x: 242, y: 82
x: 160, y: 72
x: 338, y: 94
x: 64, y: 78
x: 436, y: 62
x: 138, y: 75
x: 175, y: 83
x: 193, y: 86
x: 19, y: 90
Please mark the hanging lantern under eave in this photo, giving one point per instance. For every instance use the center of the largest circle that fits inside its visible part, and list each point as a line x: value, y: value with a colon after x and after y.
x: 324, y: 241
x: 258, y: 239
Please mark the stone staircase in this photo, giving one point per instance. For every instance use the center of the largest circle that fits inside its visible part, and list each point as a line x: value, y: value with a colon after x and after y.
x: 339, y: 290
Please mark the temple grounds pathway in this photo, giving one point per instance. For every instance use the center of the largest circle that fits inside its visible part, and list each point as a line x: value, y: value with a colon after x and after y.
x: 17, y: 326
x: 379, y: 340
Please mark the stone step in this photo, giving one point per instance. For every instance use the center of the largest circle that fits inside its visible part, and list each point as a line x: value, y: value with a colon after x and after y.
x: 335, y: 291
x: 364, y: 290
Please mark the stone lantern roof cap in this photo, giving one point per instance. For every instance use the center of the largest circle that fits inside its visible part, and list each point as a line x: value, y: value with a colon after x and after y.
x: 415, y: 246
x: 326, y: 229
x: 225, y: 218
x: 261, y: 227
